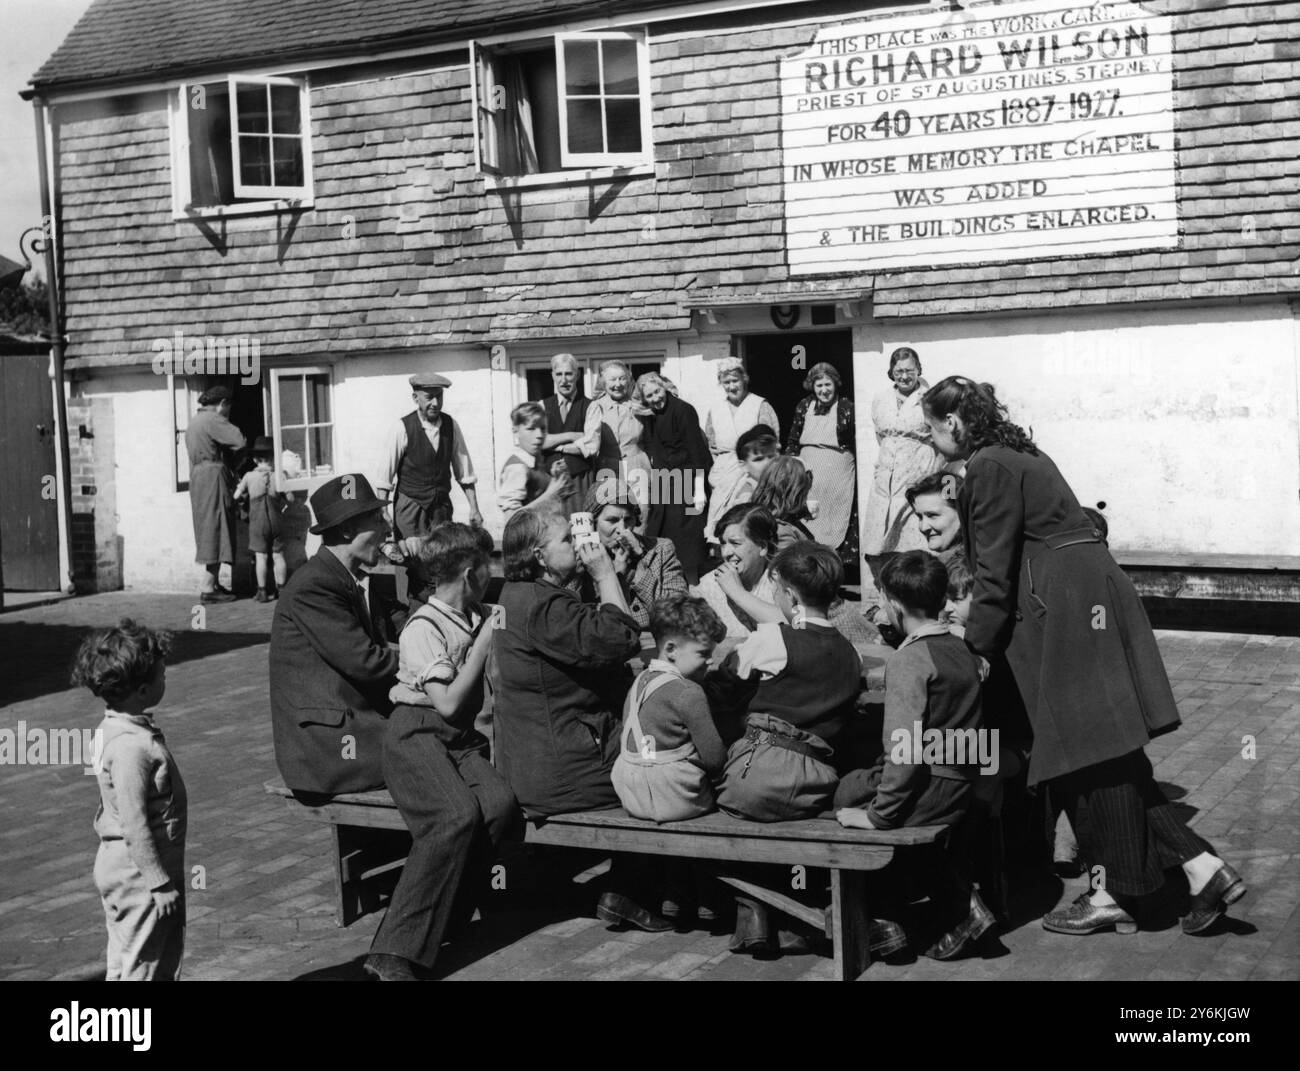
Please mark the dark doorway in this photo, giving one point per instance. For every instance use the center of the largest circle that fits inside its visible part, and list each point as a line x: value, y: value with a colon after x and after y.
x: 777, y: 372
x: 29, y: 516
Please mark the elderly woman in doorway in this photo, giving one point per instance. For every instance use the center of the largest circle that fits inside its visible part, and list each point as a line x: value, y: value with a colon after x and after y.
x: 727, y: 420
x: 212, y: 502
x: 1051, y: 598
x: 906, y: 454
x: 562, y: 676
x: 679, y: 466
x: 821, y: 435
x: 614, y: 424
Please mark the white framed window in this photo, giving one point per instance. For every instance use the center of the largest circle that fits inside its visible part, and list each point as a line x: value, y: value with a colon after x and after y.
x: 241, y: 144
x: 565, y: 103
x: 302, y: 426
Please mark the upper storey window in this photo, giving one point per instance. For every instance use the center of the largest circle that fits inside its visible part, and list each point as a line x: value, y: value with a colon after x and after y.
x: 578, y: 100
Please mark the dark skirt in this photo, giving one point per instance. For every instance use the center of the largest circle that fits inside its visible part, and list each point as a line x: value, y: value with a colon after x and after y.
x: 686, y: 533
x: 212, y: 506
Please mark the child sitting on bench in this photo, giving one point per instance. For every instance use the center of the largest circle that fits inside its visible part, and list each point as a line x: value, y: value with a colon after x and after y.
x: 671, y: 749
x: 804, y: 678
x: 933, y: 683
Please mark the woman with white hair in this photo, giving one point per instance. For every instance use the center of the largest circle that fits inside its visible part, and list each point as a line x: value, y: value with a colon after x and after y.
x: 612, y: 417
x: 727, y: 420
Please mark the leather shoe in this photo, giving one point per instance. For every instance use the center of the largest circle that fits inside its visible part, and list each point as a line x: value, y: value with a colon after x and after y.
x: 385, y: 968
x: 1084, y: 917
x: 220, y: 595
x: 976, y: 924
x: 622, y: 911
x: 1226, y: 887
x: 884, y: 938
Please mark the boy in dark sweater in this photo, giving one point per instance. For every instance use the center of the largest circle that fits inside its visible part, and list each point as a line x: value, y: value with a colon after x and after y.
x: 932, y: 726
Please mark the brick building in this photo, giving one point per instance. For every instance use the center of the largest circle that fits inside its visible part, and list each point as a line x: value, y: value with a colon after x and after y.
x: 1090, y: 205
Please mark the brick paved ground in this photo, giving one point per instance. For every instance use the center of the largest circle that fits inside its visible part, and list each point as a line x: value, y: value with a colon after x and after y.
x: 266, y: 911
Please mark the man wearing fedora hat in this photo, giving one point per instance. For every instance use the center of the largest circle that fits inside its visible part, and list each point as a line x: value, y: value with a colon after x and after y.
x: 331, y: 665
x: 425, y: 451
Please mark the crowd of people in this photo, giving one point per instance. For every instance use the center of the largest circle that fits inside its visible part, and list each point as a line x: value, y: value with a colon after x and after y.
x: 991, y: 580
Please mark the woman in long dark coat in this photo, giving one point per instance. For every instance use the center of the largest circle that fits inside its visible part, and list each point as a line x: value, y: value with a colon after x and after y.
x: 679, y: 464
x: 1051, y: 598
x: 212, y: 502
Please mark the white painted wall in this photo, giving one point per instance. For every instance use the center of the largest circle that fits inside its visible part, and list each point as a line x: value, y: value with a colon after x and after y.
x: 1183, y: 421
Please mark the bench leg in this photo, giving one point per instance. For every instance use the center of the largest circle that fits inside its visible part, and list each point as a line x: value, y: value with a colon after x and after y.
x: 347, y: 874
x: 849, y: 921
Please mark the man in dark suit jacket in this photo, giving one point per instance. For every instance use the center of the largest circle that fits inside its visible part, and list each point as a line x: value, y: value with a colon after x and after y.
x: 331, y: 666
x: 566, y: 439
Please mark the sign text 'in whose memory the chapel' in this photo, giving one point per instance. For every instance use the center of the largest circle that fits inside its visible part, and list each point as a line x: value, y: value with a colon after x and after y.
x: 1016, y: 131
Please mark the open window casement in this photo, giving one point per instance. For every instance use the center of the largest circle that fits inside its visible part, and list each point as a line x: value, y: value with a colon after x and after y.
x: 604, y: 100
x: 269, y: 138
x: 489, y: 109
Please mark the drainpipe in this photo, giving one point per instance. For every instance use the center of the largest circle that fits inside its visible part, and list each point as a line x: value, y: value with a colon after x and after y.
x: 57, y: 339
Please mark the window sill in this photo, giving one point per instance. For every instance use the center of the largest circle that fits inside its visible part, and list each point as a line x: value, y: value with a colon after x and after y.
x: 567, y: 178
x: 246, y: 208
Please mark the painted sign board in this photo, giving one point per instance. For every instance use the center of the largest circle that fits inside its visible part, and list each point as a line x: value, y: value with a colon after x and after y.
x: 1013, y: 131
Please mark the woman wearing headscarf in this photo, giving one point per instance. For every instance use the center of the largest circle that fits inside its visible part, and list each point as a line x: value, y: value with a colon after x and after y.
x: 679, y: 465
x: 1051, y: 598
x: 727, y: 420
x: 821, y: 435
x: 212, y: 501
x: 906, y: 454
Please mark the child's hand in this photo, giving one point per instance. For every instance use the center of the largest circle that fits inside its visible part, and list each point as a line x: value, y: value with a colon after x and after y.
x: 853, y: 818
x: 166, y: 900
x: 983, y: 667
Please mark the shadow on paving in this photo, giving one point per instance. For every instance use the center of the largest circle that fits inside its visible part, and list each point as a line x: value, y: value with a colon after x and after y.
x: 36, y: 658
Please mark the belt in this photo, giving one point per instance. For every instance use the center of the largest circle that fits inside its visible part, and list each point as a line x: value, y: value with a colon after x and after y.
x: 762, y: 736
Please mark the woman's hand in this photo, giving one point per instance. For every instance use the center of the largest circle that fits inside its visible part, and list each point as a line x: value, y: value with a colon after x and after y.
x: 622, y: 558
x: 728, y: 577
x: 983, y: 667
x: 596, y: 561
x: 629, y: 539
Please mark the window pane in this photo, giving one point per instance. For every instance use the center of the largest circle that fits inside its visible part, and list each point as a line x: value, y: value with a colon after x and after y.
x: 284, y: 110
x: 318, y: 399
x: 255, y: 161
x: 291, y: 400
x: 581, y: 70
x: 252, y: 108
x: 207, y: 110
x: 293, y: 452
x: 624, y: 125
x: 322, y: 454
x: 288, y: 161
x: 620, y: 66
x: 584, y: 126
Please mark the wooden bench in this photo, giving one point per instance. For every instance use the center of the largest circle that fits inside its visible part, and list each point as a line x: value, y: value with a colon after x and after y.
x: 362, y: 855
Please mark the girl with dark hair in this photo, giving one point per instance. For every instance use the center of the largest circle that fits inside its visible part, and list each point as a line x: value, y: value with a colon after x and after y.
x: 783, y: 491
x: 741, y: 584
x: 1050, y: 598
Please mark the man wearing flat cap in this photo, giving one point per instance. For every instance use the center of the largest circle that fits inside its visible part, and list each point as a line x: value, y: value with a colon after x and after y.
x: 208, y: 439
x: 425, y: 451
